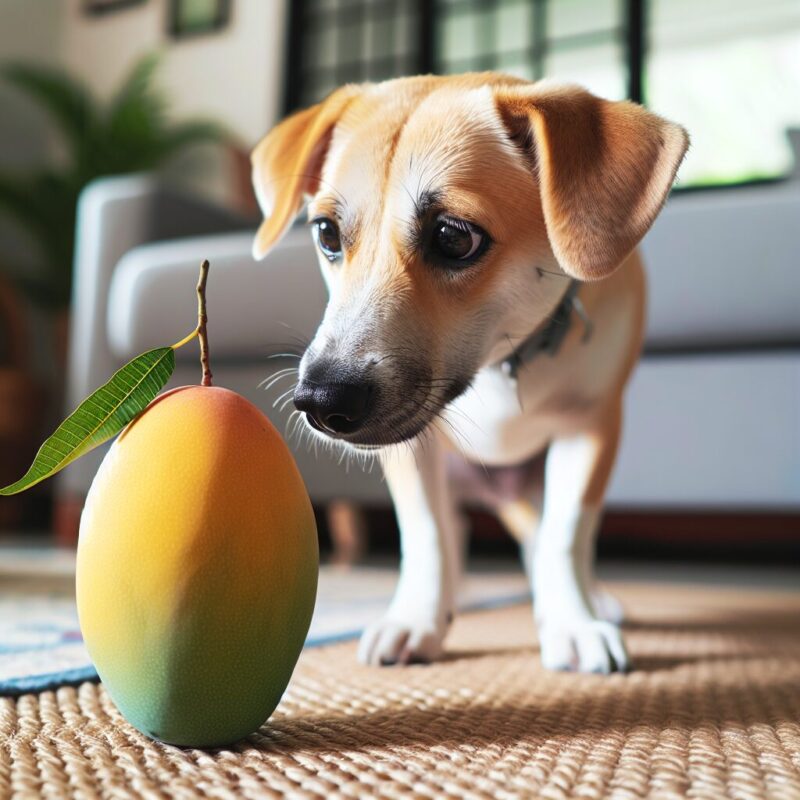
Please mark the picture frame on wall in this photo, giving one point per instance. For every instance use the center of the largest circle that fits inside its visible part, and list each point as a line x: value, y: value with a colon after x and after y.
x: 99, y: 7
x: 197, y: 17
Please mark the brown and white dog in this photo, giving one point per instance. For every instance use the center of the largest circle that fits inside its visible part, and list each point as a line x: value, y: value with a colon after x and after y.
x: 452, y: 216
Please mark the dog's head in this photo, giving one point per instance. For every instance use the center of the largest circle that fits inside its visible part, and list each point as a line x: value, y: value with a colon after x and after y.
x: 432, y: 202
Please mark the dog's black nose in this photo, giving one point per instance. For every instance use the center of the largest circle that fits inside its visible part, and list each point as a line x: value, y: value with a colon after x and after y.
x: 335, y: 407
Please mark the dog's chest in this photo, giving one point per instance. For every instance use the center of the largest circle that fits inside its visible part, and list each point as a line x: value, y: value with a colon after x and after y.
x: 500, y: 421
x: 494, y: 423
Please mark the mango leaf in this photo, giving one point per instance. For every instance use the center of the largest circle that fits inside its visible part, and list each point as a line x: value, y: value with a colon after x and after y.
x: 100, y: 416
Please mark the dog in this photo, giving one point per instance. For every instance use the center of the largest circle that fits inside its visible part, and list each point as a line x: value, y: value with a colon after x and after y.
x: 477, y: 235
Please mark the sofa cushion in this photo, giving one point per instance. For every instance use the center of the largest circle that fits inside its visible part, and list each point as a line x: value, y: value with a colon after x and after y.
x: 256, y: 309
x: 716, y: 430
x: 724, y: 268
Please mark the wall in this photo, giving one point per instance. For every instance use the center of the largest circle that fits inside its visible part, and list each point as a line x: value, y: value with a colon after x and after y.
x: 28, y: 32
x: 233, y: 76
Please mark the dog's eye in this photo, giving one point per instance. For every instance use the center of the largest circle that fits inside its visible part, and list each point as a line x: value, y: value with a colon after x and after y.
x: 457, y: 240
x: 327, y: 235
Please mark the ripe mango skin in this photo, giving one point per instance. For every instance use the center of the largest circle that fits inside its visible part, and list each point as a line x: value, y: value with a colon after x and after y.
x: 197, y: 568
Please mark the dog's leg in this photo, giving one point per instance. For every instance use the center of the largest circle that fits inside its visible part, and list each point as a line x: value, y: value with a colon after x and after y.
x: 521, y: 519
x: 571, y: 633
x: 415, y: 625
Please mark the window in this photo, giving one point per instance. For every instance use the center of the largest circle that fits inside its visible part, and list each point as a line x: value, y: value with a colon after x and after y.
x: 569, y: 39
x: 336, y: 41
x: 332, y: 42
x: 729, y: 70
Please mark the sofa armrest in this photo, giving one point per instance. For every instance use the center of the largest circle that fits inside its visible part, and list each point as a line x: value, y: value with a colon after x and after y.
x: 114, y: 215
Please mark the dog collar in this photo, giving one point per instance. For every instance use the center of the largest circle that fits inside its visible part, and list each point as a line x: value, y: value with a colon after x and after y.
x: 548, y: 338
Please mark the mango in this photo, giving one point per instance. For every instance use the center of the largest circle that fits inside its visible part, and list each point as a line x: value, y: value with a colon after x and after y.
x: 197, y: 568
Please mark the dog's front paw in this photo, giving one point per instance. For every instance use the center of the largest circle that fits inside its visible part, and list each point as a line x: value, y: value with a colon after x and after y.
x: 583, y: 645
x: 395, y: 641
x: 607, y: 607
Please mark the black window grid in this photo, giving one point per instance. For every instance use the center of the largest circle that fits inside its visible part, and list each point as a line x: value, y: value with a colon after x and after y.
x: 332, y: 42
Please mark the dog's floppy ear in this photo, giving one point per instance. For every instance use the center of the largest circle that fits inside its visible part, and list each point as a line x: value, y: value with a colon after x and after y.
x: 288, y: 161
x: 604, y: 169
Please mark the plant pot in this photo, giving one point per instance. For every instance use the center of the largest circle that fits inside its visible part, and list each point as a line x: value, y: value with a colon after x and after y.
x: 22, y: 406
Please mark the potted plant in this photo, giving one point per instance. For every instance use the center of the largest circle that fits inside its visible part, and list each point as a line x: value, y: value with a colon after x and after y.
x: 130, y: 132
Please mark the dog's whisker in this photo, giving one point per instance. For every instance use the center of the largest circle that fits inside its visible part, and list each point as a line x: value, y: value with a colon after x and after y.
x: 286, y: 402
x: 273, y: 381
x: 291, y: 422
x: 281, y: 372
x: 268, y: 382
x: 298, y: 337
x: 288, y: 393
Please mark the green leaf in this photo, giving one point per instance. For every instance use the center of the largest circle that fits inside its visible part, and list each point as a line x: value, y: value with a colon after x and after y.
x: 137, y: 88
x: 43, y: 206
x: 100, y: 416
x: 131, y: 132
x: 186, y: 134
x: 65, y: 99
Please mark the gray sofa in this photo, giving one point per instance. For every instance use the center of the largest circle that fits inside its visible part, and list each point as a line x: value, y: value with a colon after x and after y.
x: 713, y: 412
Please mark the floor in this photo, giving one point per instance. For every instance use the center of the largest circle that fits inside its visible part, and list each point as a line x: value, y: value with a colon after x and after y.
x: 712, y: 710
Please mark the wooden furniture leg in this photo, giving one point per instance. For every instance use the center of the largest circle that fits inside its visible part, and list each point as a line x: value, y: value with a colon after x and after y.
x: 348, y: 529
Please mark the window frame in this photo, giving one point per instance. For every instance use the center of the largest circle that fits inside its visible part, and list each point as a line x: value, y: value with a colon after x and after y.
x: 633, y: 32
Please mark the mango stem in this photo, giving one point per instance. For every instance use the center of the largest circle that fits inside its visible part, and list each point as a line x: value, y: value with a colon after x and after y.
x: 202, y: 321
x: 185, y: 340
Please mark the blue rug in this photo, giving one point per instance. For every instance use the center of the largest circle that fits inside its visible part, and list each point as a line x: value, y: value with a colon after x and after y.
x: 41, y: 646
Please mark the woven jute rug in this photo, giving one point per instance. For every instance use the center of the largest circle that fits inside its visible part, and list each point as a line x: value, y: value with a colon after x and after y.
x: 712, y: 710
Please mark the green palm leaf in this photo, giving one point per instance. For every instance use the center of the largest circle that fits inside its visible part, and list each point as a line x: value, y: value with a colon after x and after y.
x: 100, y: 416
x: 186, y: 134
x: 137, y: 89
x: 131, y: 132
x: 66, y: 100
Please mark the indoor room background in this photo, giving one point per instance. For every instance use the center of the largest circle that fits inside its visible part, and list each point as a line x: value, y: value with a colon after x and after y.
x: 94, y: 247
